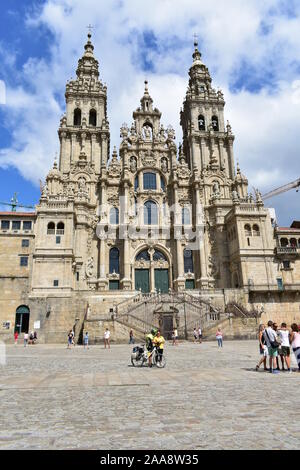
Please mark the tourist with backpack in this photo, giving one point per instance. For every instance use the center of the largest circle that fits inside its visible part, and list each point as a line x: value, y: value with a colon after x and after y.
x: 273, y: 345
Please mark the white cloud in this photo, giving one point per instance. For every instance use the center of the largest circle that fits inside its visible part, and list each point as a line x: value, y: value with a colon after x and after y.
x: 265, y: 124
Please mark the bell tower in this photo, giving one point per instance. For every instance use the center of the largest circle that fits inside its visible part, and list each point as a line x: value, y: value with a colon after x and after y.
x: 84, y: 129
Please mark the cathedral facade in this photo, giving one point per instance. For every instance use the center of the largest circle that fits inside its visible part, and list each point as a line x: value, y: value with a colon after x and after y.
x: 114, y: 227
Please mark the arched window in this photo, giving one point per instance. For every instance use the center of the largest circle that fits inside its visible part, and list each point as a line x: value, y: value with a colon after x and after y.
x: 143, y: 255
x: 201, y: 123
x: 158, y: 255
x: 162, y: 183
x: 77, y: 117
x: 93, y: 118
x: 215, y: 123
x: 60, y: 229
x: 51, y: 228
x: 114, y: 216
x: 284, y: 242
x: 256, y: 231
x: 248, y: 231
x: 293, y: 242
x: 114, y: 264
x: 149, y: 181
x: 150, y: 213
x: 186, y: 216
x: 188, y: 261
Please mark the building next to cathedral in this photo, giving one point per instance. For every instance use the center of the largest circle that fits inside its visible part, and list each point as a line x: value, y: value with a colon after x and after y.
x: 149, y: 235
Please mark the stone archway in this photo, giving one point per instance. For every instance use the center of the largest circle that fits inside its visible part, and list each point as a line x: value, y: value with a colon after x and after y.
x: 22, y: 319
x: 152, y: 270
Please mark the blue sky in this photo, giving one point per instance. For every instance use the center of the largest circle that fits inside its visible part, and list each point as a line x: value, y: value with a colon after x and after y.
x: 251, y: 48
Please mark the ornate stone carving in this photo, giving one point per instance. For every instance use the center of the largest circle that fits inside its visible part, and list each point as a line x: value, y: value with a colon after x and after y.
x: 89, y: 269
x: 148, y: 158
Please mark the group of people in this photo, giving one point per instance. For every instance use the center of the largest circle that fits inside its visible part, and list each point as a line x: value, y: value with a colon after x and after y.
x: 275, y: 342
x: 71, y: 339
x: 28, y: 338
x: 154, y: 339
x: 197, y: 334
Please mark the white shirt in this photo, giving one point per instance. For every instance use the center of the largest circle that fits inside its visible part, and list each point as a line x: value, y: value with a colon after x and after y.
x: 107, y: 334
x: 284, y: 335
x: 199, y: 331
x: 269, y: 335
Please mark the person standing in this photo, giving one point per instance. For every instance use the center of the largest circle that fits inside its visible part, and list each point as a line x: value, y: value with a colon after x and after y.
x: 263, y: 350
x: 270, y: 338
x: 70, y: 338
x: 175, y: 337
x: 159, y: 342
x: 107, y: 338
x: 200, y: 334
x: 131, y: 337
x: 86, y: 341
x: 219, y: 336
x: 275, y: 328
x: 285, y: 350
x: 195, y: 335
x: 16, y: 336
x: 25, y: 339
x: 295, y: 342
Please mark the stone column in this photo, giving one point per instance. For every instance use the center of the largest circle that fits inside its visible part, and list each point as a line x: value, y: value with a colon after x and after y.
x: 180, y: 281
x: 104, y: 150
x: 126, y: 281
x: 203, y: 281
x: 63, y: 157
x: 73, y: 145
x: 231, y: 158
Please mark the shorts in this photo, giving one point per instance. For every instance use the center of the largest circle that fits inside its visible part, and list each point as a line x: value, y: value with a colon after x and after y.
x: 285, y: 351
x: 264, y: 351
x: 273, y: 352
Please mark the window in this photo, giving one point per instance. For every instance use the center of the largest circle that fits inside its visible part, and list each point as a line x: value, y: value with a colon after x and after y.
x: 293, y: 242
x: 51, y: 228
x: 25, y: 243
x: 114, y: 285
x: 55, y: 283
x: 114, y: 261
x: 201, y: 123
x: 186, y: 216
x: 284, y: 242
x: 279, y: 283
x: 60, y: 230
x: 188, y: 261
x: 93, y: 118
x: 256, y: 232
x: 248, y: 231
x: 190, y: 284
x: 149, y: 181
x: 143, y: 255
x: 136, y: 183
x: 27, y: 225
x: 215, y: 123
x: 286, y: 265
x: 24, y: 261
x: 5, y: 224
x: 158, y: 255
x: 114, y: 216
x: 58, y: 240
x: 16, y: 225
x: 150, y: 213
x: 77, y: 276
x: 162, y: 183
x: 77, y: 117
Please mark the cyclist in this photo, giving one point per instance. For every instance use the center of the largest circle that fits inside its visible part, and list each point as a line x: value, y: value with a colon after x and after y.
x: 149, y: 344
x: 159, y: 342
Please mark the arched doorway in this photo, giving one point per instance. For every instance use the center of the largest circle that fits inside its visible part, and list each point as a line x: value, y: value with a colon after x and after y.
x: 22, y: 319
x: 152, y: 271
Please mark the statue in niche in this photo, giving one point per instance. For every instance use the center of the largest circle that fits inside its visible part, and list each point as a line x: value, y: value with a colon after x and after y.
x: 147, y: 132
x: 162, y: 136
x: 216, y: 189
x: 133, y: 164
x: 45, y: 190
x: 164, y: 165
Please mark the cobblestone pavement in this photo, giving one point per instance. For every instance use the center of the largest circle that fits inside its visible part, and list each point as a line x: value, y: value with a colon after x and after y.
x: 206, y: 398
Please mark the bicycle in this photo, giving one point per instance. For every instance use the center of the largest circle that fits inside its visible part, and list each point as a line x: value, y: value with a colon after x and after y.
x: 140, y: 356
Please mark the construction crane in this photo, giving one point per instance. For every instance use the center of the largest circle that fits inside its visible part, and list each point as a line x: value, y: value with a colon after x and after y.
x: 282, y: 189
x: 14, y: 204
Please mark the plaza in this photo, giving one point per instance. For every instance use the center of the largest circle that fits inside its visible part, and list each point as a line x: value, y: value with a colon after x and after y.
x: 205, y: 398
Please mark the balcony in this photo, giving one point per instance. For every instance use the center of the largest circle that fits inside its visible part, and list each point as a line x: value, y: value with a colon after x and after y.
x: 286, y: 250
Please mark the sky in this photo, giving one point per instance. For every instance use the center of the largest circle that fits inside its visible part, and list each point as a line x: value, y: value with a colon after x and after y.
x: 252, y: 50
